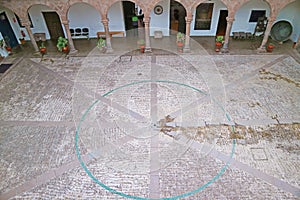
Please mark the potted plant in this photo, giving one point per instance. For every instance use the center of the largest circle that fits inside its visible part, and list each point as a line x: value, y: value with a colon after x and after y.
x: 180, y: 38
x: 6, y: 42
x: 219, y: 42
x: 2, y: 44
x: 270, y: 47
x: 62, y: 44
x: 22, y: 40
x: 43, y: 48
x: 101, y: 44
x: 141, y: 44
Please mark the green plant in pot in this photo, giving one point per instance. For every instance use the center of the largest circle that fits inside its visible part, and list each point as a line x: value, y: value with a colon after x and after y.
x: 180, y: 38
x: 2, y: 44
x: 141, y: 43
x: 62, y: 44
x: 101, y: 44
x: 219, y: 42
x: 43, y: 48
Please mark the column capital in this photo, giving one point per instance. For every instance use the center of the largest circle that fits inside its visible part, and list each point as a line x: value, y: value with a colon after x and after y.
x: 65, y: 22
x: 105, y: 21
x: 271, y: 19
x: 230, y: 19
x: 188, y: 19
x: 25, y: 22
x: 146, y: 20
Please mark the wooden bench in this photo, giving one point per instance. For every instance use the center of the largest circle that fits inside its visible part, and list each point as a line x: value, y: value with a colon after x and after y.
x: 111, y: 33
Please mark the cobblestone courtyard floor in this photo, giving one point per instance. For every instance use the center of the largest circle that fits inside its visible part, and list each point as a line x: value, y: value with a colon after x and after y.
x: 159, y: 125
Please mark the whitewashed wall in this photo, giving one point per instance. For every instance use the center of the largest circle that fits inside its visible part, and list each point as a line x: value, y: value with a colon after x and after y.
x: 116, y: 18
x: 242, y: 16
x: 161, y: 22
x: 83, y: 15
x: 291, y: 13
x: 37, y: 18
x: 214, y: 23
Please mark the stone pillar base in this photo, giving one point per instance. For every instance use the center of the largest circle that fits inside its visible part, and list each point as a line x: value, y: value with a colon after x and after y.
x: 186, y: 50
x: 72, y: 52
x: 148, y: 50
x: 109, y: 50
x: 224, y: 50
x: 261, y: 50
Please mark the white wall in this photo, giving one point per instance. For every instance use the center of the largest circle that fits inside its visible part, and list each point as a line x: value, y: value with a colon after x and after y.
x: 291, y: 13
x: 214, y: 23
x: 242, y: 16
x: 116, y: 18
x: 83, y: 15
x: 13, y: 22
x: 37, y: 18
x: 162, y: 21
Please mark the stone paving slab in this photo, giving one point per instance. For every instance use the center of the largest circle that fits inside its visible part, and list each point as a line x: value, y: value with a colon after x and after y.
x: 44, y: 98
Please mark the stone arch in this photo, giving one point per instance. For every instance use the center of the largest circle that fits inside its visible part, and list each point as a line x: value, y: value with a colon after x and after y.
x: 95, y: 4
x: 241, y: 3
x: 276, y: 6
x: 84, y: 15
x: 109, y: 4
x: 13, y: 9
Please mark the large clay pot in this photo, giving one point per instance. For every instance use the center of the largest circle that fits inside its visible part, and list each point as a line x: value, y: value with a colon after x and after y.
x: 142, y: 49
x: 65, y: 49
x: 43, y: 50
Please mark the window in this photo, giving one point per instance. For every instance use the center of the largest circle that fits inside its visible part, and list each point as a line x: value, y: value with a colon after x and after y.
x: 255, y: 14
x: 19, y: 21
x: 203, y: 16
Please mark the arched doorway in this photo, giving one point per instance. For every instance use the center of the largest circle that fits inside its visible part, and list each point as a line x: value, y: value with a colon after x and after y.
x: 6, y: 28
x: 177, y: 17
x: 247, y: 16
x: 86, y: 19
x: 46, y: 20
x: 291, y: 14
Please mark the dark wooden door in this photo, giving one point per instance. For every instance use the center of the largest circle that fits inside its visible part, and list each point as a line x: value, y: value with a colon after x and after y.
x: 222, y: 25
x: 53, y: 24
x: 7, y: 31
x: 128, y: 9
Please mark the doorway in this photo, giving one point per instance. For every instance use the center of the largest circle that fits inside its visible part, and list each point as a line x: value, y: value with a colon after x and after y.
x: 177, y: 17
x: 53, y: 24
x: 128, y: 10
x: 7, y: 31
x: 222, y: 24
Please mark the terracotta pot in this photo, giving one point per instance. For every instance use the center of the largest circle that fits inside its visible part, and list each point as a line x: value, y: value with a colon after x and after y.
x: 22, y: 41
x: 270, y: 48
x: 180, y: 44
x: 142, y: 49
x: 219, y: 44
x: 43, y: 50
x: 65, y: 49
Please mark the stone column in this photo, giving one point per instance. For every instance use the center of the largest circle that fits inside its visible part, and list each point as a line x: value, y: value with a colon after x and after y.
x: 70, y: 40
x: 262, y: 47
x: 227, y: 34
x: 109, y: 48
x: 147, y: 35
x: 188, y: 21
x: 33, y: 42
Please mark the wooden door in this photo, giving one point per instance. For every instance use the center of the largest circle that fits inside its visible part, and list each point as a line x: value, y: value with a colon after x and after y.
x: 53, y: 24
x: 7, y: 31
x: 222, y: 25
